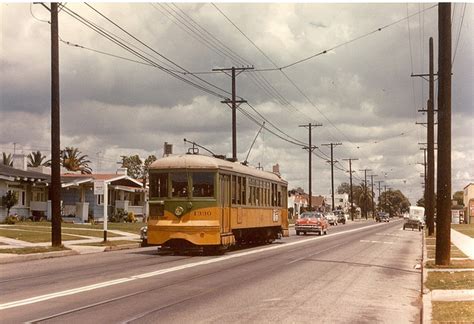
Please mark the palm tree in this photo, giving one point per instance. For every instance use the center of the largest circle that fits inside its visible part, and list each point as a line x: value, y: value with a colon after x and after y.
x: 72, y: 160
x: 7, y: 159
x: 365, y: 199
x: 35, y: 159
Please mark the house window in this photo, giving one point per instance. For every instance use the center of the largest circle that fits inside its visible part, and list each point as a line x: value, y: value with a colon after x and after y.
x: 20, y: 193
x: 100, y: 198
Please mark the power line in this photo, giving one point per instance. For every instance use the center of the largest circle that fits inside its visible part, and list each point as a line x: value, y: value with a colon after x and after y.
x: 154, y: 51
x: 346, y: 42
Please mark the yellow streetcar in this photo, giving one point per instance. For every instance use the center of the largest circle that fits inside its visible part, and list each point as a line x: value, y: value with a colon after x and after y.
x: 210, y: 204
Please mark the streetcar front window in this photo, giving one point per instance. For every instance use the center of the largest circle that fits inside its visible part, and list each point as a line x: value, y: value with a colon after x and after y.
x: 159, y: 185
x: 179, y: 184
x: 203, y: 184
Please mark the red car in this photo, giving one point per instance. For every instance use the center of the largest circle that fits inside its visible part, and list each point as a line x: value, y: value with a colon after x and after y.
x: 311, y: 222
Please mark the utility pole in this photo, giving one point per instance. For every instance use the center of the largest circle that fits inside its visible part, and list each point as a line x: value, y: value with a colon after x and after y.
x: 55, y: 132
x: 424, y: 172
x: 365, y: 189
x: 310, y: 149
x: 430, y: 174
x: 350, y: 177
x: 332, y: 171
x: 430, y: 203
x: 372, y: 193
x: 443, y: 221
x: 379, y: 182
x: 233, y: 104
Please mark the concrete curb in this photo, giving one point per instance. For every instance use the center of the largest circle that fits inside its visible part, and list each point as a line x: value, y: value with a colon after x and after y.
x: 36, y: 256
x: 452, y: 295
x: 122, y: 247
x: 426, y: 295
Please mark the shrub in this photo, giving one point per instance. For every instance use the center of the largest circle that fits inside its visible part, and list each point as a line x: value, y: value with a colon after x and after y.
x: 10, y: 220
x: 131, y: 217
x: 119, y: 216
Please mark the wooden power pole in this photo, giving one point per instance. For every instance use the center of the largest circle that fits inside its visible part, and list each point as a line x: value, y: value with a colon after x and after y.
x: 350, y: 179
x: 55, y: 132
x: 233, y: 104
x: 443, y: 219
x: 310, y: 149
x: 332, y: 171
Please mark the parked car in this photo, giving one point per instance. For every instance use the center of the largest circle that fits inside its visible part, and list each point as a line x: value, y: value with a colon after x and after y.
x: 341, y: 217
x: 382, y: 217
x: 331, y: 217
x: 311, y: 222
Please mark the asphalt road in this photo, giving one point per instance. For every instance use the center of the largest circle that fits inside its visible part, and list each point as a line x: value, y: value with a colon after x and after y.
x: 359, y: 273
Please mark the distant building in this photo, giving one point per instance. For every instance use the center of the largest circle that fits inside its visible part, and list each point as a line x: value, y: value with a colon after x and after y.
x: 341, y: 202
x: 468, y: 200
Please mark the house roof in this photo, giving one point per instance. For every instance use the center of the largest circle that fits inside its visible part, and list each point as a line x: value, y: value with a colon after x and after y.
x: 12, y: 174
x: 71, y: 179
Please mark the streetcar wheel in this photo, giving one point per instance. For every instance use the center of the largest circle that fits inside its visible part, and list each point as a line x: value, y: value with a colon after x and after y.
x: 297, y: 232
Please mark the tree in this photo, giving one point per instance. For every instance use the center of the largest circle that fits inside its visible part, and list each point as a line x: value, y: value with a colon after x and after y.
x: 344, y: 188
x: 35, y: 159
x: 136, y: 168
x: 421, y: 202
x: 459, y: 197
x: 394, y: 202
x: 72, y: 160
x: 9, y: 200
x: 7, y: 159
x: 364, y: 198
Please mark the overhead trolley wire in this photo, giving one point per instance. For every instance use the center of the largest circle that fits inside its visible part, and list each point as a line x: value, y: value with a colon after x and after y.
x: 113, y: 39
x: 153, y: 50
x: 346, y: 42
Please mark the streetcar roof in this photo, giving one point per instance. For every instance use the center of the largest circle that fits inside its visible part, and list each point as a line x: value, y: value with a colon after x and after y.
x: 195, y: 161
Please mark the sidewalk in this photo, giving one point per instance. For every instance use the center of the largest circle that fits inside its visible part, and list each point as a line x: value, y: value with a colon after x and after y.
x: 75, y: 246
x: 466, y: 245
x: 463, y: 242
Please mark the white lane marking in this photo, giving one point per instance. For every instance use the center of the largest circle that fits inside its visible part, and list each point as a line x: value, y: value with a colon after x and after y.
x: 73, y: 291
x: 366, y: 241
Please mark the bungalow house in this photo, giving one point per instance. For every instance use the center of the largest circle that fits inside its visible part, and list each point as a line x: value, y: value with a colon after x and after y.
x: 77, y: 194
x: 30, y: 188
x: 123, y: 192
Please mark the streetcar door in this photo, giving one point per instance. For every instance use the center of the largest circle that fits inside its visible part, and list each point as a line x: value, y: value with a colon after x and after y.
x: 225, y: 202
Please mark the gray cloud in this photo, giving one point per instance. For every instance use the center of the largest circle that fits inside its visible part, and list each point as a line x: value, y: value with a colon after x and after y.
x: 117, y: 107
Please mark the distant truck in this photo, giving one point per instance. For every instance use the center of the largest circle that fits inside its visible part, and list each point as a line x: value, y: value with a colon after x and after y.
x: 416, y: 218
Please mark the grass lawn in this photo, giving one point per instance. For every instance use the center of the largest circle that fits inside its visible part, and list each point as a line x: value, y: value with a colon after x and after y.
x: 450, y: 280
x: 467, y: 229
x: 33, y: 249
x: 455, y: 252
x: 454, y: 264
x: 126, y: 227
x: 110, y: 243
x: 66, y: 230
x: 430, y: 242
x: 33, y: 236
x: 453, y: 312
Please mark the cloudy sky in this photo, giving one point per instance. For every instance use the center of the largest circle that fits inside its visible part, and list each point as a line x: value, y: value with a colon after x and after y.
x: 131, y: 103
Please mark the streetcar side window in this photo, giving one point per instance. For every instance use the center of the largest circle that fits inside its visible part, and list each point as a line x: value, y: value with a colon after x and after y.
x: 159, y: 185
x: 179, y: 184
x: 203, y: 184
x: 244, y: 190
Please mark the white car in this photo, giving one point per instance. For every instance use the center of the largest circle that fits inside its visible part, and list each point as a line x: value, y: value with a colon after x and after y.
x: 331, y: 217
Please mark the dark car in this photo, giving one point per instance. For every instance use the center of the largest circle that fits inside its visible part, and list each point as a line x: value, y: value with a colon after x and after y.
x: 341, y: 218
x: 382, y: 217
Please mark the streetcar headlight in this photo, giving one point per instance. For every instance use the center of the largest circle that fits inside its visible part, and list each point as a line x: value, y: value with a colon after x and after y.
x: 179, y: 211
